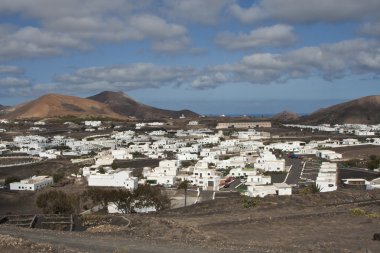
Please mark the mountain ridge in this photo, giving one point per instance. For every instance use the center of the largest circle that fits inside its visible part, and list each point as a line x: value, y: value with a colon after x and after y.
x: 363, y: 110
x: 57, y: 105
x: 121, y: 103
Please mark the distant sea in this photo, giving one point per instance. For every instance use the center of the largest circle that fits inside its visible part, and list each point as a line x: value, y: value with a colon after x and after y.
x: 256, y: 115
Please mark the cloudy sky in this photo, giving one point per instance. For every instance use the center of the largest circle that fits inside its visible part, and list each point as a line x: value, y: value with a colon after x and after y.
x: 211, y: 56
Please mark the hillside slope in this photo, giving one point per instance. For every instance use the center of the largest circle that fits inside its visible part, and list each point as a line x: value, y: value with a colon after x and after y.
x: 124, y: 105
x: 365, y: 110
x: 56, y: 105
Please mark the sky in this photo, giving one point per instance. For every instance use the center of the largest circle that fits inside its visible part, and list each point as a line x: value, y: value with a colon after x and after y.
x: 210, y: 56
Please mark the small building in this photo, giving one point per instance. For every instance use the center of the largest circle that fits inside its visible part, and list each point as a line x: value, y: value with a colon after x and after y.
x: 31, y: 184
x: 327, y: 177
x: 117, y: 178
x: 193, y: 123
x: 93, y: 123
x: 328, y: 154
x: 264, y: 190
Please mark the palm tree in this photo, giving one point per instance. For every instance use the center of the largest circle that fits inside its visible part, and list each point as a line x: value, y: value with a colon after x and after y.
x: 184, y: 185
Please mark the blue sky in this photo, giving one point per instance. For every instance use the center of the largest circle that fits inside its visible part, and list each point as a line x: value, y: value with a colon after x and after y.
x: 211, y: 56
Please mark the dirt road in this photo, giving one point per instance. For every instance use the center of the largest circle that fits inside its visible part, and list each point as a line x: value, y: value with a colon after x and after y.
x: 85, y: 242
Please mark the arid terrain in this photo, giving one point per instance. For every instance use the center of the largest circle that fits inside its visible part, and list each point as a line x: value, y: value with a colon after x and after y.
x: 342, y: 221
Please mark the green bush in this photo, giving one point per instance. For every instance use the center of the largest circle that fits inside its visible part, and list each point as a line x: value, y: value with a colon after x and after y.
x: 58, y: 177
x: 248, y: 202
x: 56, y: 202
x: 11, y: 179
x: 357, y: 212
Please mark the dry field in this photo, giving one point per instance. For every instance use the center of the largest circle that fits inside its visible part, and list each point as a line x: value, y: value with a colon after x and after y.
x: 342, y: 221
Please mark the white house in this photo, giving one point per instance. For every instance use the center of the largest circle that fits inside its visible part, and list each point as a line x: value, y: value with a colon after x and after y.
x: 268, y: 162
x: 242, y: 172
x: 114, y: 178
x: 264, y: 190
x: 328, y: 154
x: 327, y: 177
x: 186, y: 157
x: 93, y: 123
x: 208, y: 179
x: 31, y: 184
x: 258, y: 180
x: 164, y: 174
x: 121, y: 154
x: 193, y: 123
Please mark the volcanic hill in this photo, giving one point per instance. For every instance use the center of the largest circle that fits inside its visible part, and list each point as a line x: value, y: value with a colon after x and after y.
x: 124, y: 105
x: 365, y: 110
x: 56, y: 105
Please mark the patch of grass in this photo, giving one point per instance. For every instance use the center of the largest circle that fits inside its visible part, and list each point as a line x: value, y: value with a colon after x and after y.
x: 373, y: 215
x: 242, y: 188
x: 357, y: 212
x: 248, y: 202
x: 121, y: 250
x: 361, y: 212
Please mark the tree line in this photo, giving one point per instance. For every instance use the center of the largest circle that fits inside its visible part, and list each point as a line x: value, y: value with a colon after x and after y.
x: 59, y: 202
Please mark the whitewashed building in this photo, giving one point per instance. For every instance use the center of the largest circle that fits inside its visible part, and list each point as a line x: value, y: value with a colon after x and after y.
x: 114, y: 178
x: 31, y: 184
x: 327, y: 177
x: 264, y: 190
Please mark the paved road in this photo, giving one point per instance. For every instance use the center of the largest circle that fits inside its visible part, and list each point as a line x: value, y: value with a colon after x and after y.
x: 295, y: 171
x: 357, y: 173
x: 96, y: 243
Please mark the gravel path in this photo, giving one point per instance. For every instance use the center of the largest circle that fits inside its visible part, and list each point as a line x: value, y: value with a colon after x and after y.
x: 92, y: 243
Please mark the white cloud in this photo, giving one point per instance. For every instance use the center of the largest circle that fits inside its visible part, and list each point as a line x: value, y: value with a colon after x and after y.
x: 11, y: 70
x: 307, y: 10
x: 371, y: 28
x: 33, y: 42
x: 276, y: 35
x: 128, y: 77
x: 247, y: 15
x: 198, y: 11
x: 64, y: 25
x: 9, y: 82
x: 330, y: 61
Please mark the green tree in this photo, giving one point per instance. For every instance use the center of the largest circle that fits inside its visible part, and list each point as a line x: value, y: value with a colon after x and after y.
x: 99, y: 195
x: 11, y: 179
x: 56, y: 202
x: 123, y: 200
x: 147, y: 195
x: 58, y: 177
x: 101, y: 170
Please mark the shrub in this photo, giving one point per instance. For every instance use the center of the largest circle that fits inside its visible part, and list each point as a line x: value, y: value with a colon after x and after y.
x: 248, y: 202
x: 56, y: 202
x: 373, y: 215
x: 11, y: 179
x: 311, y: 189
x: 357, y: 212
x: 58, y: 177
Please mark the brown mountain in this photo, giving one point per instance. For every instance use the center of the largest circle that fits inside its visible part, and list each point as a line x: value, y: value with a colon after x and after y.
x: 286, y: 116
x: 365, y: 110
x: 56, y: 105
x: 124, y: 105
